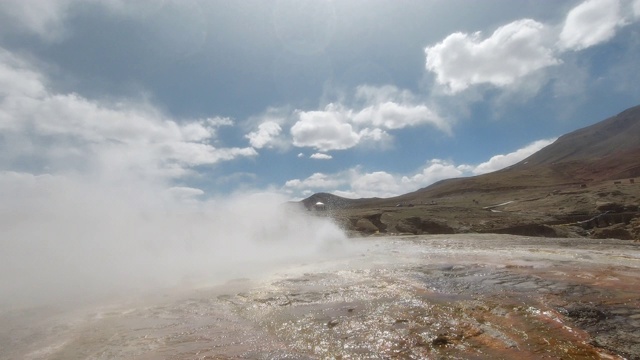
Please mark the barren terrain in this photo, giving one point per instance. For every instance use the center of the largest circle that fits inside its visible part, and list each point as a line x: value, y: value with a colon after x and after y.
x: 433, y: 297
x: 604, y: 210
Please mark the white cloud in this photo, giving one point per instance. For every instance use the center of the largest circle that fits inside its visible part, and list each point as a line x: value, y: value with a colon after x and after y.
x: 321, y: 156
x: 17, y: 78
x: 371, y: 95
x: 270, y: 129
x: 376, y: 138
x: 366, y: 118
x: 196, y: 131
x: 502, y: 161
x: 375, y: 184
x: 324, y: 130
x: 265, y: 136
x: 67, y: 132
x: 590, y: 23
x: 359, y: 184
x: 378, y: 94
x: 513, y: 57
x: 510, y: 53
x: 340, y: 127
x: 390, y: 115
x: 219, y: 121
x: 317, y: 181
x: 354, y: 183
x: 435, y: 170
x: 389, y: 108
x: 194, y: 154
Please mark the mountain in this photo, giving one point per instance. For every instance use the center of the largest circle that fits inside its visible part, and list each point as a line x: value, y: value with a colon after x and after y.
x: 329, y: 201
x: 616, y: 135
x: 607, y: 150
x: 581, y: 175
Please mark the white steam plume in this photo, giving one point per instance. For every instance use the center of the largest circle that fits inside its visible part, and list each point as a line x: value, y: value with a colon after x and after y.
x: 69, y: 239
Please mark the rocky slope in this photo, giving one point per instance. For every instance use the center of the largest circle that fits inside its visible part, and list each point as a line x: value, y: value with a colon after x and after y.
x: 583, y: 184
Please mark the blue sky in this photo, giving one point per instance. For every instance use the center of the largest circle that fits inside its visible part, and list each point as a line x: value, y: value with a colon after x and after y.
x: 358, y: 98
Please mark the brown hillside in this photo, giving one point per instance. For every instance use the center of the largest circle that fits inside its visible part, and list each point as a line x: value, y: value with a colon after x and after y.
x: 588, y: 174
x: 616, y: 135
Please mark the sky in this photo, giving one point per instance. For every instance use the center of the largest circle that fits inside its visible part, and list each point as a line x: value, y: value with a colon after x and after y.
x: 197, y: 99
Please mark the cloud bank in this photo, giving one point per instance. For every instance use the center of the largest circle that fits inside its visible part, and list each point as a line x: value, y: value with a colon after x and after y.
x: 67, y: 132
x: 369, y: 117
x: 354, y: 183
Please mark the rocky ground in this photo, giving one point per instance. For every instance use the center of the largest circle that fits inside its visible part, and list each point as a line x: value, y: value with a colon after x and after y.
x: 604, y: 210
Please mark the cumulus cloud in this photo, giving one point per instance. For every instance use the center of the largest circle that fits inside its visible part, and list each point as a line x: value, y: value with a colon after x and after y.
x: 502, y: 161
x: 368, y: 117
x: 374, y: 184
x: 355, y: 183
x: 590, y: 23
x: 270, y: 129
x: 375, y: 113
x: 321, y: 156
x: 511, y: 52
x: 324, y: 130
x: 391, y: 115
x: 390, y: 108
x: 434, y: 171
x: 317, y: 181
x: 265, y: 136
x: 522, y: 48
x: 67, y: 132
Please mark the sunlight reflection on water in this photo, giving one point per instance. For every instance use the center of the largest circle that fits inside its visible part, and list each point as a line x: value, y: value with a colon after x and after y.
x: 455, y: 296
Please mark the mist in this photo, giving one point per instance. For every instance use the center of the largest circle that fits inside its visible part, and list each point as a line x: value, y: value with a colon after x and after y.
x: 71, y: 238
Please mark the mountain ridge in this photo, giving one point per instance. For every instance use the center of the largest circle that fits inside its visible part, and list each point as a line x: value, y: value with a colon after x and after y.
x: 606, y: 150
x: 615, y: 134
x: 573, y: 179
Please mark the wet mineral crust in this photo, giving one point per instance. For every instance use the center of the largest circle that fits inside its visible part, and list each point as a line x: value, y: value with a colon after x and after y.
x: 436, y: 297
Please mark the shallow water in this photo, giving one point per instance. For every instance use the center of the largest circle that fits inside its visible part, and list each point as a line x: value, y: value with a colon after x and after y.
x: 471, y: 296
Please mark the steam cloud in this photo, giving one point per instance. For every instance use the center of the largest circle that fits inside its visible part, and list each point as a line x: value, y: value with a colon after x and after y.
x: 68, y: 238
x: 105, y: 219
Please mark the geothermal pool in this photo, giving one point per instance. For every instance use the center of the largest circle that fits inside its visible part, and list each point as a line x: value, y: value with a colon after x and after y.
x: 423, y: 297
